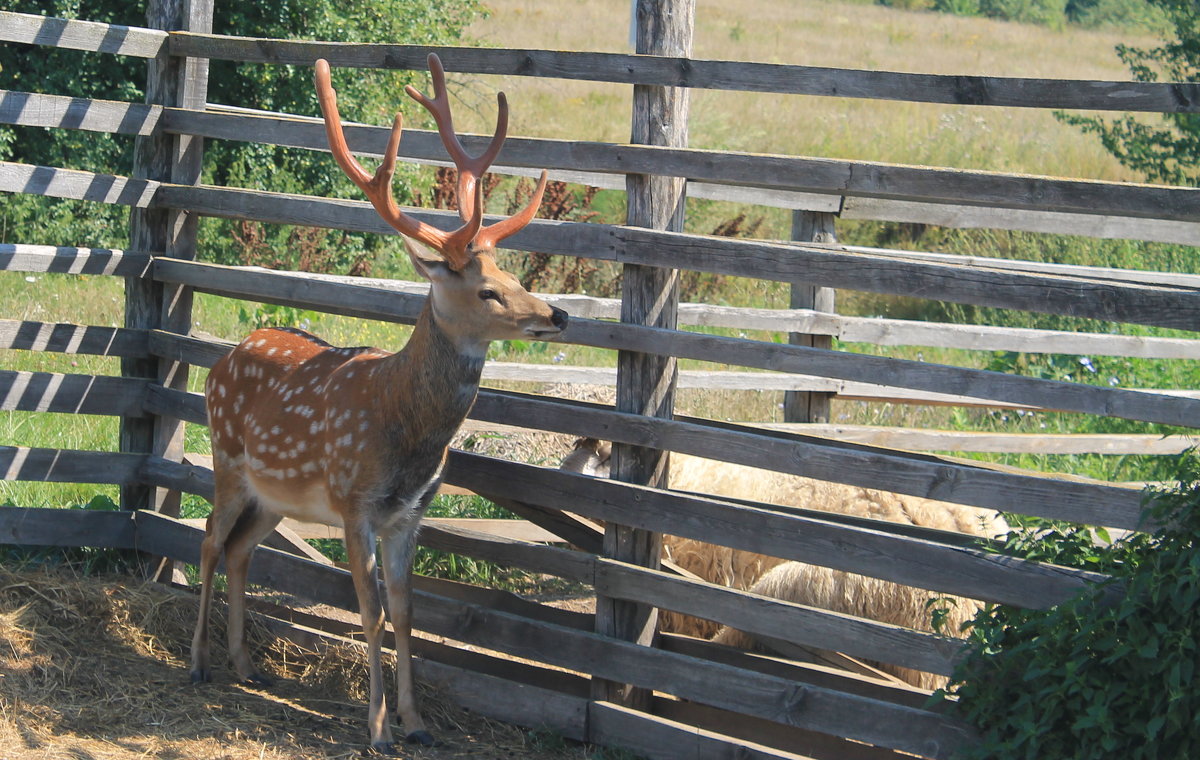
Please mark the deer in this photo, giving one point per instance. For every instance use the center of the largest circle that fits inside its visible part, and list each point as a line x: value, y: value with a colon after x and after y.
x: 358, y: 437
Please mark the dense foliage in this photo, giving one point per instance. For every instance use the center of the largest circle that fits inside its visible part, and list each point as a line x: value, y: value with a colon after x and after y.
x: 1108, y: 673
x: 365, y: 96
x: 1166, y: 149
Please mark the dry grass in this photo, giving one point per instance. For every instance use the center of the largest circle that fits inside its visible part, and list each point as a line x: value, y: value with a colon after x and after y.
x: 830, y: 34
x: 96, y: 668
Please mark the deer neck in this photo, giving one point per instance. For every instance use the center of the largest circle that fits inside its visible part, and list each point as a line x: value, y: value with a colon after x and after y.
x: 431, y: 382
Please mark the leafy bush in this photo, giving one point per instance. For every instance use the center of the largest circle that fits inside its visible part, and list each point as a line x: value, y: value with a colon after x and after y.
x: 1108, y: 673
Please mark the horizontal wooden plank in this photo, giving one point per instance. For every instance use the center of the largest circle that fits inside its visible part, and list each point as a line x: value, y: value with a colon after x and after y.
x: 177, y: 476
x: 934, y: 477
x: 885, y: 332
x: 981, y: 217
x: 75, y: 185
x: 614, y: 725
x: 669, y: 71
x: 807, y: 536
x: 66, y: 527
x: 529, y: 155
x: 821, y: 176
x: 69, y: 466
x: 81, y: 35
x: 29, y: 109
x: 755, y: 614
x: 67, y: 260
x: 170, y: 402
x: 827, y: 266
x: 71, y: 394
x: 73, y: 339
x: 768, y: 696
x: 916, y: 439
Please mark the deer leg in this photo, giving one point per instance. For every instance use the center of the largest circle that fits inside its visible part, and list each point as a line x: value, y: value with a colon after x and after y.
x: 398, y: 547
x: 228, y: 507
x: 255, y: 525
x: 360, y: 550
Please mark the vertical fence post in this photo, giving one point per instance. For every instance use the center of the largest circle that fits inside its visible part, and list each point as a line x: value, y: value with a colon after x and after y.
x: 810, y: 227
x: 149, y: 305
x: 650, y: 296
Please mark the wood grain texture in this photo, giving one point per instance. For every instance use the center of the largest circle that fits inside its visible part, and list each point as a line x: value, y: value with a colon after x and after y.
x: 1142, y: 303
x: 66, y: 527
x: 71, y: 394
x: 943, y: 478
x: 81, y: 35
x: 877, y: 183
x: 70, y: 260
x: 878, y: 552
x: 69, y: 466
x: 683, y: 71
x: 73, y: 339
x: 810, y: 227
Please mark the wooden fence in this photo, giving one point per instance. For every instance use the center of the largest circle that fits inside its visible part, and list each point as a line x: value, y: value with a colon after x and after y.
x: 700, y: 700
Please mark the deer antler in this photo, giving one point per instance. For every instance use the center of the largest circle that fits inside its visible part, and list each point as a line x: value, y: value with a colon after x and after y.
x: 457, y: 247
x: 378, y: 187
x: 471, y: 170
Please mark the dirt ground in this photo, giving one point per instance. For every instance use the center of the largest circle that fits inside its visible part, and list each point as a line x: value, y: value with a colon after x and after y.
x: 96, y: 668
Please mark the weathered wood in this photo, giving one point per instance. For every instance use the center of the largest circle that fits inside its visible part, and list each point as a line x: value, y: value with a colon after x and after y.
x: 170, y: 402
x: 809, y: 406
x: 65, y: 260
x: 794, y: 623
x: 177, y: 476
x: 684, y: 71
x: 957, y: 381
x: 68, y: 466
x: 759, y: 694
x: 29, y: 109
x: 830, y: 177
x: 974, y: 217
x: 954, y: 569
x: 760, y: 735
x: 66, y: 527
x: 73, y: 339
x: 76, y: 185
x: 71, y: 394
x: 748, y: 612
x: 828, y: 267
x: 649, y: 296
x: 934, y: 477
x: 81, y: 35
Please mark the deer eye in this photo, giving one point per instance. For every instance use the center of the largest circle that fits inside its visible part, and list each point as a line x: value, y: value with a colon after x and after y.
x: 489, y: 295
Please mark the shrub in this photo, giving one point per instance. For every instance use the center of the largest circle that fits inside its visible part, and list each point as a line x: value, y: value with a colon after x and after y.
x: 1108, y: 673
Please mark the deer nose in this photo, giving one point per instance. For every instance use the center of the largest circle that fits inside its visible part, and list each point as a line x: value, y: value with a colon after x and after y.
x: 558, y: 318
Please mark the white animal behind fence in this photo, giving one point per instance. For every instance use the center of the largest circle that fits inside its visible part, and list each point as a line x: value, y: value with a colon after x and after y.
x: 799, y: 582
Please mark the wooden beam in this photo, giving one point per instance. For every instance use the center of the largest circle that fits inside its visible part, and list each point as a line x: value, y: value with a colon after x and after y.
x: 81, y: 35
x: 68, y: 260
x: 683, y: 71
x: 66, y: 527
x: 71, y: 394
x: 807, y: 537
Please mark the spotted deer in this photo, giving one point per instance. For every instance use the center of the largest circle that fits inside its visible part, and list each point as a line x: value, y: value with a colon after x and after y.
x: 357, y: 437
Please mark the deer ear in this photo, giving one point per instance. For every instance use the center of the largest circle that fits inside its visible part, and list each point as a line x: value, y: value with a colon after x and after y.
x: 427, y: 262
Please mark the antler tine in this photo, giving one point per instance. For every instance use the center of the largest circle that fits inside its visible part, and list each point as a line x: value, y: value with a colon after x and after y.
x: 378, y: 187
x: 470, y: 170
x: 491, y: 235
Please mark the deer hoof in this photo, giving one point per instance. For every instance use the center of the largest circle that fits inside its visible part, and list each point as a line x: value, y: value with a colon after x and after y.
x: 201, y: 675
x: 258, y: 679
x: 424, y: 738
x: 384, y: 748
